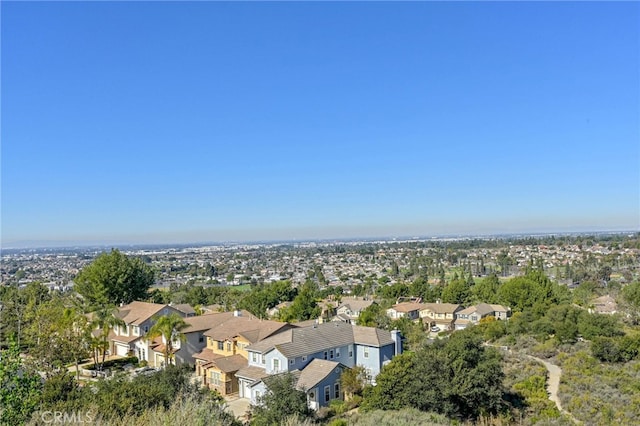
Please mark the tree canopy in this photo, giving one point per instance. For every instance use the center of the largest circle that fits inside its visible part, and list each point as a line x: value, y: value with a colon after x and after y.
x: 114, y: 278
x: 460, y: 378
x: 281, y: 400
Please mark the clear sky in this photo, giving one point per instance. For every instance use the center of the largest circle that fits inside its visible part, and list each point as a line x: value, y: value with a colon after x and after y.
x: 209, y: 121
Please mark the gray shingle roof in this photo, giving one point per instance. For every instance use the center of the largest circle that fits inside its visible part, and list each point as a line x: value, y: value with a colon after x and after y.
x: 314, y: 372
x: 308, y: 340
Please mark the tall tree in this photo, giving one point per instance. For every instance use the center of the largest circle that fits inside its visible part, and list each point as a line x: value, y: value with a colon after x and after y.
x: 114, y: 278
x: 281, y: 400
x: 20, y: 387
x: 170, y: 328
x: 102, y: 321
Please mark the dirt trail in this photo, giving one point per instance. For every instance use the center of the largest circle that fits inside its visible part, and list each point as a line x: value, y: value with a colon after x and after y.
x: 553, y: 385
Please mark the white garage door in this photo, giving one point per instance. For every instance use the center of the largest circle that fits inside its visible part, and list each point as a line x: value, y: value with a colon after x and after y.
x: 122, y: 350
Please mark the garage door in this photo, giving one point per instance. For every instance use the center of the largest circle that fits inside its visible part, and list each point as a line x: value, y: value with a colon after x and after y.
x: 122, y: 350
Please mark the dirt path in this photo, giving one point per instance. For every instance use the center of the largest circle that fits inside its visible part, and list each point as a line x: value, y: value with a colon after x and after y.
x: 553, y: 385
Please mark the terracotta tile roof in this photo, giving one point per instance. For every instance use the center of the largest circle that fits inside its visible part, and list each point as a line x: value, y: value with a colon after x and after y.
x: 407, y: 307
x: 251, y: 328
x: 138, y: 312
x: 207, y: 355
x: 442, y: 308
x: 202, y: 322
x: 228, y: 364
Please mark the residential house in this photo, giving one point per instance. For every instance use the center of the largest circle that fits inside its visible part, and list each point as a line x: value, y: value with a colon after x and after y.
x: 226, y: 348
x: 320, y: 380
x: 185, y: 308
x: 194, y: 341
x: 295, y: 349
x: 139, y: 317
x: 473, y: 314
x: 442, y: 315
x: 409, y: 310
x: 350, y: 308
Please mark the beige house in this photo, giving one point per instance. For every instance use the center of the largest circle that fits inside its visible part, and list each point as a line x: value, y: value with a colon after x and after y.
x: 409, y: 310
x: 350, y: 308
x: 473, y: 314
x: 225, y: 352
x: 129, y: 339
x: 442, y: 315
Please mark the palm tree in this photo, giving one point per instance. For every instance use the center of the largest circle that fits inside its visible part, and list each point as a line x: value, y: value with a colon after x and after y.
x: 170, y: 328
x: 104, y: 319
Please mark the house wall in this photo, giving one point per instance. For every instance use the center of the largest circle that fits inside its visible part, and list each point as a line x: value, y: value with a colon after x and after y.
x: 331, y: 380
x: 191, y: 346
x: 343, y: 352
x: 270, y: 357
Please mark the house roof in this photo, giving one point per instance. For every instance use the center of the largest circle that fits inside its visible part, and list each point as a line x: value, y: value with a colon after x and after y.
x: 251, y: 328
x: 228, y: 364
x: 481, y: 308
x: 499, y: 308
x: 355, y: 305
x: 407, y: 307
x: 308, y: 340
x: 138, y: 312
x: 315, y: 372
x: 441, y: 308
x: 185, y: 308
x: 252, y: 373
x: 201, y: 322
x: 207, y: 355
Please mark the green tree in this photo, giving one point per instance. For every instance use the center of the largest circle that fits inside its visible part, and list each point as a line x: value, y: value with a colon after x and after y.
x: 281, y: 400
x: 102, y: 320
x: 487, y: 290
x: 520, y: 293
x: 304, y: 305
x: 353, y: 381
x: 114, y: 278
x: 457, y: 291
x: 20, y: 387
x: 460, y: 378
x: 169, y: 327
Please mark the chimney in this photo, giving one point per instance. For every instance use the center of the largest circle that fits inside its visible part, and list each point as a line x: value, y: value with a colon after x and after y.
x: 397, y: 339
x: 237, y: 313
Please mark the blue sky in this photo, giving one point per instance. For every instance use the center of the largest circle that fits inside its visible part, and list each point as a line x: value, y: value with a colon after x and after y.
x: 208, y: 121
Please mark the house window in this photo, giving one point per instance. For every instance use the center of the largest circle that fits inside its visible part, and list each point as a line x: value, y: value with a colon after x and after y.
x: 228, y: 346
x: 336, y: 390
x: 366, y: 352
x: 325, y: 354
x: 276, y: 364
x: 215, y: 378
x: 331, y: 354
x: 257, y: 394
x: 254, y: 357
x: 264, y: 359
x: 201, y: 338
x: 337, y: 352
x: 136, y: 330
x: 292, y: 361
x: 220, y: 346
x: 327, y: 393
x: 350, y: 351
x: 146, y: 329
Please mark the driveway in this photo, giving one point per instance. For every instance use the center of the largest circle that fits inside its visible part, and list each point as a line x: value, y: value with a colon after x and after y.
x: 238, y: 406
